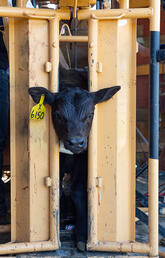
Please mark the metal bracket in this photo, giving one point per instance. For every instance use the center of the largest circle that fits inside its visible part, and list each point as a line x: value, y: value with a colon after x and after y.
x: 98, y: 181
x: 48, y: 181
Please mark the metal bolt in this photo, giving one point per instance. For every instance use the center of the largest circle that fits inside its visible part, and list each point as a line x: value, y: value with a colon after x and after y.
x: 91, y: 44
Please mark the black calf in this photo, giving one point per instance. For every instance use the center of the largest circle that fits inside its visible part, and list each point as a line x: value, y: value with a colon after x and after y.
x: 72, y: 115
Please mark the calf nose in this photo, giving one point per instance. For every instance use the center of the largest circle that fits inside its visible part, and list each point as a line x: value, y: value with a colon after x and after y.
x: 77, y: 141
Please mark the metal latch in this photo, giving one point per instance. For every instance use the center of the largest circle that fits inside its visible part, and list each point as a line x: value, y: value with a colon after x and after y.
x: 98, y: 181
x: 48, y: 181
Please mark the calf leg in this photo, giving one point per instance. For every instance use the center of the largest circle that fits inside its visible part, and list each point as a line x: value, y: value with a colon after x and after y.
x: 79, y: 198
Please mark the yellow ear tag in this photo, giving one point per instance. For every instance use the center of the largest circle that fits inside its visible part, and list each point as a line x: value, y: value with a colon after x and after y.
x: 39, y: 110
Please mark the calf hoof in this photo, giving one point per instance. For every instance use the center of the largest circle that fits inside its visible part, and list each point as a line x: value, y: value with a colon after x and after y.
x: 81, y: 246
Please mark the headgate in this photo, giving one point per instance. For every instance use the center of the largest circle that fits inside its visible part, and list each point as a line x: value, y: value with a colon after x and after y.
x: 34, y: 58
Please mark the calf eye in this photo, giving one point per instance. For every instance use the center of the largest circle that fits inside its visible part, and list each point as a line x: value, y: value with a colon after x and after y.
x: 90, y: 116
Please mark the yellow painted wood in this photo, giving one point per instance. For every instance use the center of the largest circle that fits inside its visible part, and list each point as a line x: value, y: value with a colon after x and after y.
x: 29, y: 140
x: 12, y: 130
x: 115, y: 160
x: 20, y: 173
x: 38, y: 137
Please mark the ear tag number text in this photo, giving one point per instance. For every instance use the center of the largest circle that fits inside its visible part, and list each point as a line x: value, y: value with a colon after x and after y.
x: 39, y: 110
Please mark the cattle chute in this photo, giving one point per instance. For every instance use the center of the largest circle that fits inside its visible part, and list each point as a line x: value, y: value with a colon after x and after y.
x: 109, y: 32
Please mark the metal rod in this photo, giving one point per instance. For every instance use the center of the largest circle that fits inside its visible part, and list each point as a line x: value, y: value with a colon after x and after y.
x: 34, y: 13
x: 82, y: 15
x: 74, y: 38
x: 134, y: 247
x: 153, y: 172
x: 92, y: 149
x: 126, y: 13
x: 53, y: 141
x: 13, y: 248
x: 153, y: 206
x: 75, y: 45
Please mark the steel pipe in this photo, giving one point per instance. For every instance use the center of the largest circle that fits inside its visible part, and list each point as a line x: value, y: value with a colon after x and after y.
x: 134, y: 247
x: 74, y: 38
x: 153, y: 206
x: 13, y: 248
x: 53, y: 140
x: 153, y: 162
x: 34, y: 13
x: 155, y: 19
x: 92, y: 147
x: 124, y: 13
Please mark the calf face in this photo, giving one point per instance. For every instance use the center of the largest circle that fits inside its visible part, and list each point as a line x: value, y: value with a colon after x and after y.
x: 72, y: 112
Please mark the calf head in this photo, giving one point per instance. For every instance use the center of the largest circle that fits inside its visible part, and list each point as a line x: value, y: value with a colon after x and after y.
x: 72, y: 112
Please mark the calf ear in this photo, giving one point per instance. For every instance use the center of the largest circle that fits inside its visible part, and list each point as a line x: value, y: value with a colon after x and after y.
x: 104, y: 94
x: 36, y: 93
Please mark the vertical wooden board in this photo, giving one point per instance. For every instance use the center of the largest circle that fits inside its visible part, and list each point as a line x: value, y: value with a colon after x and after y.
x: 12, y: 130
x: 29, y: 140
x: 107, y: 127
x: 116, y: 131
x: 20, y: 162
x: 38, y: 134
x: 126, y: 122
